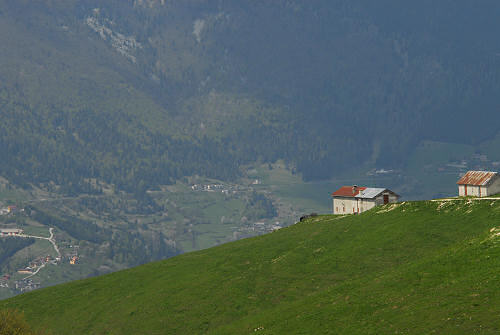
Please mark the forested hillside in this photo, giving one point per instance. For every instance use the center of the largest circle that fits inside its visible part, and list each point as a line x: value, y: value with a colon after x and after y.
x: 140, y: 93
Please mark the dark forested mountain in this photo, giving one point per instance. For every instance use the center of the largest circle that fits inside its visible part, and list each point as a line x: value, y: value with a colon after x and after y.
x: 139, y: 93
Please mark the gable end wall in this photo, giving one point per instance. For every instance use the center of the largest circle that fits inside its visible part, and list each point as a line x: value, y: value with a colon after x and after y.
x: 344, y: 205
x: 494, y: 188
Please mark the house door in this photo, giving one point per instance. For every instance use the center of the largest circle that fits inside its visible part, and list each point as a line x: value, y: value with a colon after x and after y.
x: 465, y: 190
x: 386, y: 199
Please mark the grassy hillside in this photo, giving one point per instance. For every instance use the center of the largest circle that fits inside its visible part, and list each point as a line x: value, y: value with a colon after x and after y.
x: 412, y: 268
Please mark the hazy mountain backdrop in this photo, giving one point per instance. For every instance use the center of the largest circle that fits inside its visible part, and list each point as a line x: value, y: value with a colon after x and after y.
x: 139, y: 93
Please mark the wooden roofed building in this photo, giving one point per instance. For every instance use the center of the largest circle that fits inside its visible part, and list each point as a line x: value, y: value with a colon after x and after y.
x: 356, y: 199
x: 479, y: 184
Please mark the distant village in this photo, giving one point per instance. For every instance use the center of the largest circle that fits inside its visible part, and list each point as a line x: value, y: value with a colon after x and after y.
x: 476, y: 162
x: 9, y: 210
x: 223, y: 188
x: 25, y: 282
x: 259, y: 227
x: 22, y: 280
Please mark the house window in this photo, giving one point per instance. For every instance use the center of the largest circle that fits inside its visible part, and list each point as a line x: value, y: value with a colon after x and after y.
x: 343, y: 209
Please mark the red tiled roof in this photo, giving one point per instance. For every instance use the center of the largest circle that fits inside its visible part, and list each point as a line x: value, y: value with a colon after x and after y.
x: 476, y: 178
x: 348, y: 191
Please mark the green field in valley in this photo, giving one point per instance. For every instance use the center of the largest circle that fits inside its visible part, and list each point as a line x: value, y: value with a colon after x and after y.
x: 413, y: 268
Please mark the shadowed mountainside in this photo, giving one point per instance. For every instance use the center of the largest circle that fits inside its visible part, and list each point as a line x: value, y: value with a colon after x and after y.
x: 140, y: 93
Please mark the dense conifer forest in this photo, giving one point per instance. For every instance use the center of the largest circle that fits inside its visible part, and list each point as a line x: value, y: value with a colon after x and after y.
x: 141, y: 93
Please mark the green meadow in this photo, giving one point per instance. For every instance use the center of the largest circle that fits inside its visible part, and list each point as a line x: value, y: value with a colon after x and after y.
x: 410, y: 268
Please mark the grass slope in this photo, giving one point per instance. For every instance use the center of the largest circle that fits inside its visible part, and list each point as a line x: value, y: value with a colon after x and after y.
x: 415, y: 268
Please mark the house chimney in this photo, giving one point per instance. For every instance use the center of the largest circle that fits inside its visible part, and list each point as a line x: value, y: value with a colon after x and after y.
x: 354, y: 189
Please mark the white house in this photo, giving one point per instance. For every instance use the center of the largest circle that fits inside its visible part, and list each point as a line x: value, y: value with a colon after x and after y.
x: 479, y: 184
x: 355, y: 199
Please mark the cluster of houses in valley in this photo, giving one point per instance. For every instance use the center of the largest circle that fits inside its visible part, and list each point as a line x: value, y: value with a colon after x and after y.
x: 225, y: 189
x: 4, y: 281
x: 11, y: 232
x: 20, y: 286
x: 37, y: 263
x: 26, y: 285
x: 358, y: 199
x: 8, y: 210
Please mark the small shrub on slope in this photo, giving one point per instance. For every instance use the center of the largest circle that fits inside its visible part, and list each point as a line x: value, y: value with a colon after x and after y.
x: 12, y: 322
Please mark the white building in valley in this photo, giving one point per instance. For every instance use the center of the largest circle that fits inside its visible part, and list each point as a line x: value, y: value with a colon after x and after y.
x: 479, y: 184
x: 355, y: 199
x: 10, y: 232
